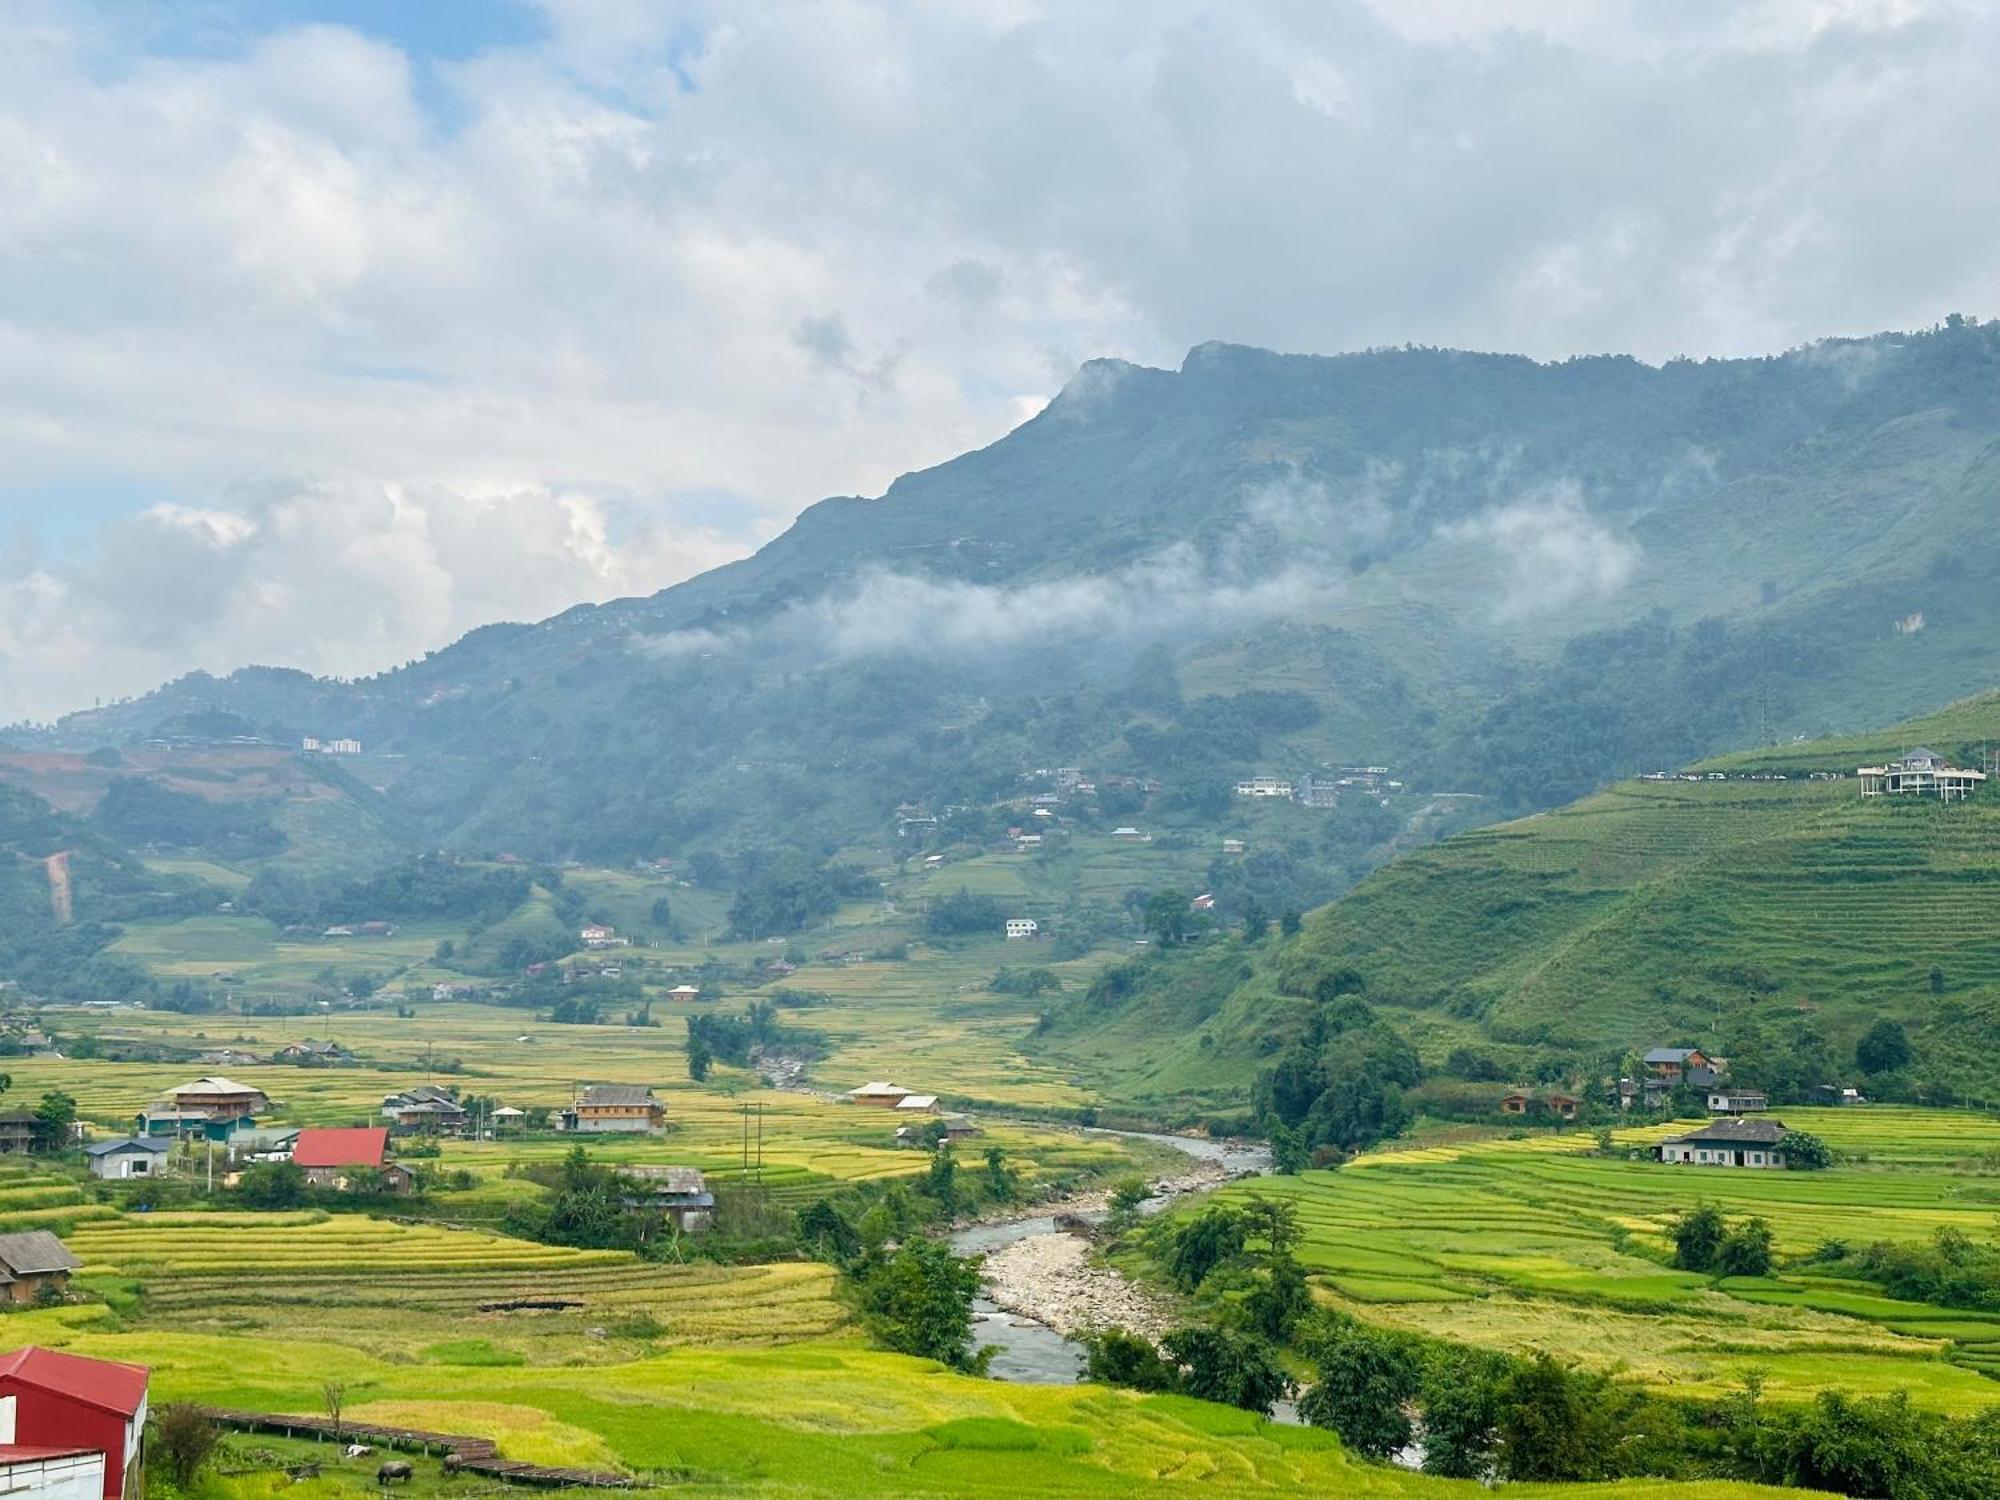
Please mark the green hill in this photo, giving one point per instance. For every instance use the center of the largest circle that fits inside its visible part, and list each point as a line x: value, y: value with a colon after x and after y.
x: 1502, y: 577
x: 1772, y: 920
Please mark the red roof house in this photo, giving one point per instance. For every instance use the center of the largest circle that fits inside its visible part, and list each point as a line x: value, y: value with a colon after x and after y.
x: 332, y: 1157
x: 55, y: 1404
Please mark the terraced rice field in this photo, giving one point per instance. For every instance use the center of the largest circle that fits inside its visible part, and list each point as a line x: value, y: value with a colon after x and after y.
x: 815, y: 1419
x: 375, y: 1285
x: 1540, y: 1243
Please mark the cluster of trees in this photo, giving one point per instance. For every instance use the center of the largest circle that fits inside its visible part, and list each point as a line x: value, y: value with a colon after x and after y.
x: 1949, y: 1271
x: 1704, y: 1241
x: 1339, y: 1085
x: 780, y: 892
x: 429, y: 887
x: 135, y: 810
x: 963, y: 913
x: 713, y: 1037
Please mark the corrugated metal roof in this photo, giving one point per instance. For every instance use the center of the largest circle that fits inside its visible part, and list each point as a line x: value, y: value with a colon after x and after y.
x: 101, y: 1383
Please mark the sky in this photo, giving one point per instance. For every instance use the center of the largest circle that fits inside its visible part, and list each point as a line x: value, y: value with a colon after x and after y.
x: 331, y: 331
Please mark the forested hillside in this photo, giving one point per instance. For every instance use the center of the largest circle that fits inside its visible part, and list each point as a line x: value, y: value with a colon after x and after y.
x: 1497, y: 576
x: 1768, y: 915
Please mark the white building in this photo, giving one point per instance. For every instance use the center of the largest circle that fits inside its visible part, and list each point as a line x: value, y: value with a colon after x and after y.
x: 1730, y: 1143
x: 1921, y: 773
x: 1021, y: 927
x: 1265, y: 786
x: 38, y: 1473
x: 123, y: 1160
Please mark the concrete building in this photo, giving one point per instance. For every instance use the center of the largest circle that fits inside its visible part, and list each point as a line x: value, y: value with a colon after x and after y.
x: 1730, y: 1143
x: 125, y: 1159
x: 1021, y: 927
x: 1921, y: 773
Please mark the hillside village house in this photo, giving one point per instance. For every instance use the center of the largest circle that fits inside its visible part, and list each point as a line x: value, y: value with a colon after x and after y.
x: 1921, y: 773
x: 34, y: 1263
x: 1233, y: 846
x: 616, y: 1108
x: 133, y: 1156
x: 1264, y: 786
x: 1678, y: 1064
x: 676, y: 1193
x: 1730, y: 1143
x: 310, y: 1051
x: 338, y: 1159
x: 426, y: 1108
x: 17, y: 1131
x: 688, y: 992
x: 1021, y: 927
x: 879, y: 1095
x: 1737, y: 1101
x: 597, y: 935
x: 263, y: 1143
x: 71, y: 1428
x: 1520, y: 1102
x: 917, y: 1104
x: 219, y: 1099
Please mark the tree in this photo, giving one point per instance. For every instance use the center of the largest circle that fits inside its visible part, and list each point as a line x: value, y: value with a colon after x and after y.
x: 1885, y: 1048
x: 1345, y: 980
x: 1290, y: 921
x: 1275, y: 1221
x: 1745, y: 1250
x: 180, y: 1439
x: 1275, y: 1305
x: 333, y: 1398
x: 1168, y: 917
x: 1116, y: 1357
x: 999, y: 1177
x: 1365, y: 1378
x: 1545, y: 1427
x: 941, y: 1181
x: 1289, y: 1155
x: 1236, y: 1370
x: 1806, y: 1152
x: 700, y: 1058
x: 1460, y: 1399
x: 1196, y: 1246
x: 824, y: 1230
x: 275, y: 1185
x: 1697, y: 1236
x: 919, y: 1301
x: 1255, y: 923
x: 54, y: 1118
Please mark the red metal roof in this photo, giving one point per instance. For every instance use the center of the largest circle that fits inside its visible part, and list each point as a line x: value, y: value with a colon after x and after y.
x: 21, y: 1453
x: 362, y: 1147
x: 95, y: 1382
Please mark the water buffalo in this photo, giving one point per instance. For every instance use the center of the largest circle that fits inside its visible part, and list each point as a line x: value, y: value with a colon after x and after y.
x: 393, y: 1470
x: 453, y: 1462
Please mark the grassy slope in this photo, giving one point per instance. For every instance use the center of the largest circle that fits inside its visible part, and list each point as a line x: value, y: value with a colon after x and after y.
x: 1651, y: 910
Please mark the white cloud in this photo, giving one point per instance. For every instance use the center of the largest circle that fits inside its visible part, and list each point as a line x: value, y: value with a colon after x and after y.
x: 1550, y: 551
x: 778, y: 252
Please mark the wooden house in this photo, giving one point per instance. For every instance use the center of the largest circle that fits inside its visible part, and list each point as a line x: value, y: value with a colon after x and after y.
x: 1683, y: 1064
x: 616, y: 1108
x: 677, y: 1193
x: 34, y: 1262
x: 878, y: 1095
x: 17, y: 1131
x: 347, y: 1160
x: 219, y: 1099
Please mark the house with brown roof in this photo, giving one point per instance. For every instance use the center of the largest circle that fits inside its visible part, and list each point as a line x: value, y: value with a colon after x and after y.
x: 34, y: 1263
x: 1730, y: 1143
x: 618, y: 1108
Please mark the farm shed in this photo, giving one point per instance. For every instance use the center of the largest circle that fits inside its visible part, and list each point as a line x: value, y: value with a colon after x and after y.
x: 78, y: 1405
x: 132, y: 1156
x: 879, y: 1095
x: 34, y: 1261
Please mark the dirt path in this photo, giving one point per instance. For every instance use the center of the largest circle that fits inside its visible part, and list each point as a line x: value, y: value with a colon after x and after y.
x: 57, y: 867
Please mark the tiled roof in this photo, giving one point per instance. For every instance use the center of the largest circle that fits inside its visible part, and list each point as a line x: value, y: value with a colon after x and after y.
x: 600, y: 1095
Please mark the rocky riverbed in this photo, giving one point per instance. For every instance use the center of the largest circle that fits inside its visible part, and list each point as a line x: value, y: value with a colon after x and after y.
x: 1050, y: 1278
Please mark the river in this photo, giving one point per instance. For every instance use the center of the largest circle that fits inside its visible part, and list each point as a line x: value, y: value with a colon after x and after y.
x: 1032, y: 1353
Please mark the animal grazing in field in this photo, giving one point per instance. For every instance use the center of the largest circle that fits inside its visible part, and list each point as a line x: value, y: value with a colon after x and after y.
x: 393, y: 1470
x: 453, y: 1462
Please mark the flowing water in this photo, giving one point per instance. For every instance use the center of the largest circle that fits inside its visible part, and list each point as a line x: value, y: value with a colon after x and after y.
x: 1033, y: 1353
